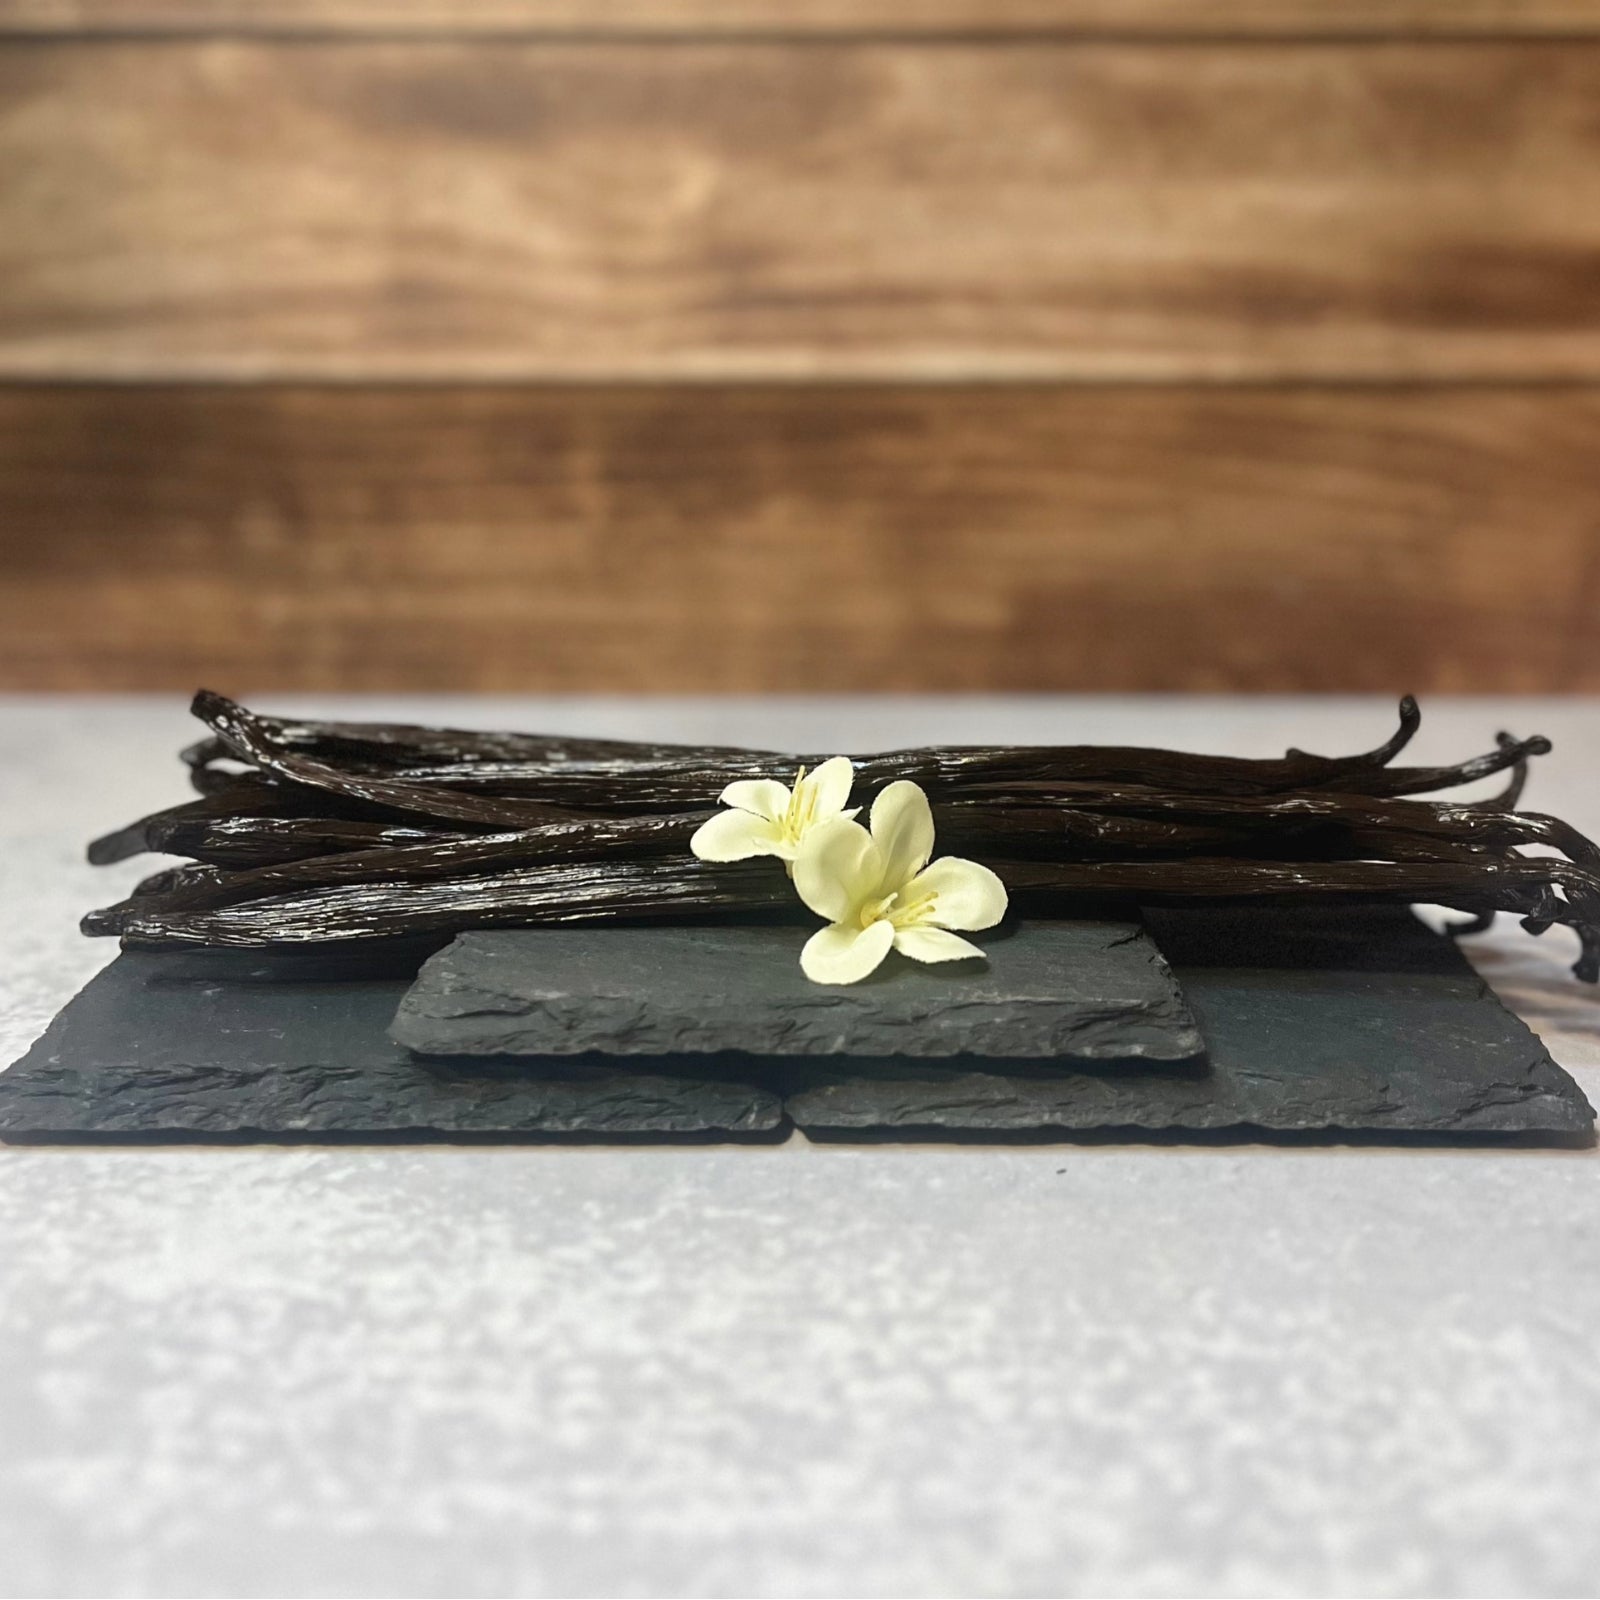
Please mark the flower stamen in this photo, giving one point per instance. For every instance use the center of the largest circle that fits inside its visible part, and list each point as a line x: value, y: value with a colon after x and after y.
x: 914, y: 912
x: 877, y: 910
x: 802, y: 806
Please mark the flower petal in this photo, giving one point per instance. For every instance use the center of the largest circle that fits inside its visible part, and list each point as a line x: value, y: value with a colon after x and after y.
x: 845, y: 952
x: 934, y: 944
x: 902, y: 825
x: 838, y: 869
x: 968, y: 895
x: 761, y: 797
x: 832, y: 782
x: 735, y: 836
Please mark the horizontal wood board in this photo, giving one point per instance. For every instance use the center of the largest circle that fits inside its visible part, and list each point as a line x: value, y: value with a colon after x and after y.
x: 802, y: 17
x: 762, y: 538
x: 203, y: 210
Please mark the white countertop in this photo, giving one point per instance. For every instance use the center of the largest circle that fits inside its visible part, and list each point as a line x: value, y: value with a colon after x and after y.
x: 794, y: 1369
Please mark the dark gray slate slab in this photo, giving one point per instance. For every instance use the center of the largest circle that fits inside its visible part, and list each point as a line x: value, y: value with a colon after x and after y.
x: 1358, y: 1021
x: 137, y: 1053
x: 1361, y: 1023
x: 1087, y: 990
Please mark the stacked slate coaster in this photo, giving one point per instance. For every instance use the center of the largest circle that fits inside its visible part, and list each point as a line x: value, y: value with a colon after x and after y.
x: 1250, y: 1023
x: 1054, y: 991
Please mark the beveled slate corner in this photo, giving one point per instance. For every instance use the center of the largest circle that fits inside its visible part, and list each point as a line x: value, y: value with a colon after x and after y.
x: 1089, y: 990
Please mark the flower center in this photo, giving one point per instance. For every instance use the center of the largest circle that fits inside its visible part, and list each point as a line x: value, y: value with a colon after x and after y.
x: 875, y: 910
x: 901, y: 914
x: 909, y: 913
x: 801, y: 810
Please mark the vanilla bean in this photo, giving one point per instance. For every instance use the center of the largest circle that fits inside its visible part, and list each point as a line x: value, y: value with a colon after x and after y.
x: 1521, y: 884
x: 589, y: 891
x: 405, y: 744
x: 148, y: 833
x: 218, y: 820
x: 943, y: 773
x: 246, y: 842
x: 1268, y: 816
x: 595, y: 842
x: 245, y: 737
x: 1510, y: 797
x: 530, y: 895
x: 1044, y: 834
x: 520, y: 792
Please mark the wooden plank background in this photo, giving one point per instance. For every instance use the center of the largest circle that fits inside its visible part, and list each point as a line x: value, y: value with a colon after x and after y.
x: 786, y: 539
x: 984, y: 18
x: 882, y: 211
x: 723, y: 344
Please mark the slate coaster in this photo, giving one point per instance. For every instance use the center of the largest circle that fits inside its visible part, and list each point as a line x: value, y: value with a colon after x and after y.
x: 1352, y: 1021
x: 141, y: 1052
x: 1089, y: 990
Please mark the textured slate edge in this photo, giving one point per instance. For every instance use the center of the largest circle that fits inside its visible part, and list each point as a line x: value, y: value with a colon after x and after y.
x: 779, y: 1133
x: 335, y: 1072
x: 1227, y: 1137
x: 1289, y: 1048
x: 481, y: 997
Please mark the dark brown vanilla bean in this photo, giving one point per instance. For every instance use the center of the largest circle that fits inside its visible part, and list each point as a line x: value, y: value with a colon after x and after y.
x: 1426, y: 780
x: 1511, y: 796
x: 531, y: 895
x: 563, y: 893
x: 943, y: 773
x: 665, y: 779
x: 1272, y: 815
x: 596, y: 842
x: 244, y: 800
x: 245, y: 842
x: 243, y: 735
x: 1059, y: 834
x: 1040, y: 834
x: 1519, y: 884
x: 1486, y: 878
x: 495, y: 792
x: 403, y: 744
x: 408, y: 747
x: 138, y: 837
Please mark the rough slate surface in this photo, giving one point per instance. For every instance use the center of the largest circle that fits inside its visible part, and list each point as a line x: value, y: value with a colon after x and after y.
x: 1086, y: 990
x: 135, y: 1053
x: 1354, y: 1021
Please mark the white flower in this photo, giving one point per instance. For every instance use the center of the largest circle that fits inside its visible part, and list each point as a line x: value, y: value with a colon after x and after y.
x: 770, y: 819
x: 879, y: 893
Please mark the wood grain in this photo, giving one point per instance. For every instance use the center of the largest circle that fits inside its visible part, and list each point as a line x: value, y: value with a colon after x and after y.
x: 1318, y: 18
x: 800, y: 539
x: 888, y: 211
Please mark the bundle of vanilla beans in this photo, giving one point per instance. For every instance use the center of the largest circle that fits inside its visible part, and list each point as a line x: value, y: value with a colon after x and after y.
x: 322, y: 833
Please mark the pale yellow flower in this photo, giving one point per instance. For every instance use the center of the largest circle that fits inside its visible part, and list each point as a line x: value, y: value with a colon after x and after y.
x: 770, y: 819
x: 879, y: 892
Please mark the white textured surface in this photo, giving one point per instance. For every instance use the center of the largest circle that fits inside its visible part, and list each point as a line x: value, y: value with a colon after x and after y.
x: 795, y: 1369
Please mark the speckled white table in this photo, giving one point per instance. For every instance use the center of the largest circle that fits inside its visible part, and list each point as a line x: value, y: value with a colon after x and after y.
x: 795, y: 1369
